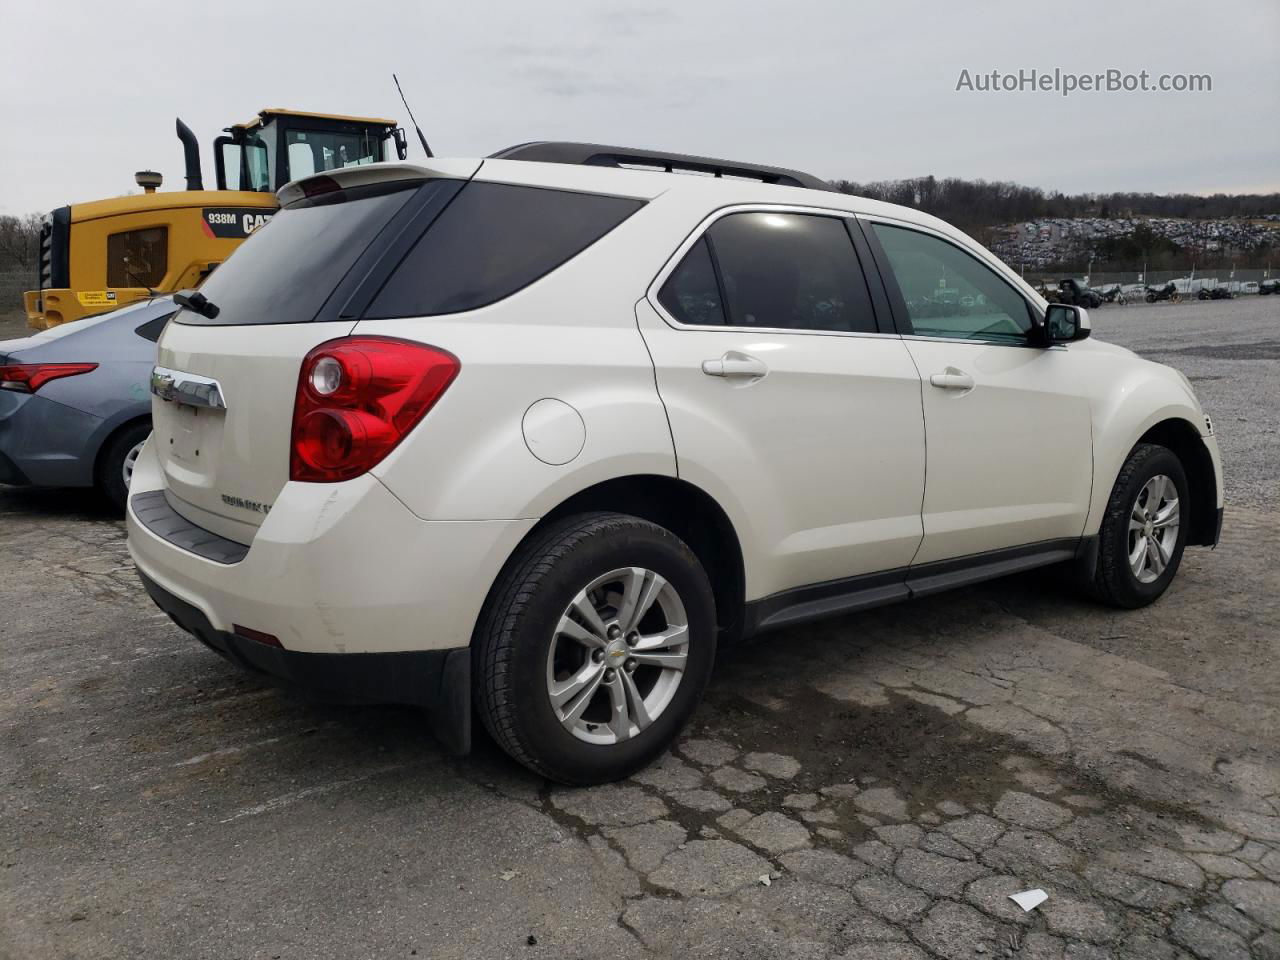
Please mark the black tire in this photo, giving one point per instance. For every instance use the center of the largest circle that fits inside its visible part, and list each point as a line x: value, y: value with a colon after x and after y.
x: 517, y: 626
x: 1151, y: 298
x: 109, y: 470
x: 1114, y: 581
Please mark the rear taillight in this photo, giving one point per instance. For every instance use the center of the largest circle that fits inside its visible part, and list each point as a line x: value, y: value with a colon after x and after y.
x: 30, y: 377
x: 357, y: 398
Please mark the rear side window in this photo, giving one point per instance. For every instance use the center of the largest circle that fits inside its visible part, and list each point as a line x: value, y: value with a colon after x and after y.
x: 793, y: 271
x: 491, y: 241
x: 289, y: 267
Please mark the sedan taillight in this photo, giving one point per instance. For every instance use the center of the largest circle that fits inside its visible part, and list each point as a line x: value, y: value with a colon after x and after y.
x: 30, y: 377
x: 357, y: 398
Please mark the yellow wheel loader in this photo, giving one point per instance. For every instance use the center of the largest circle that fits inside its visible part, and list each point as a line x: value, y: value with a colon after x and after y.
x: 103, y: 254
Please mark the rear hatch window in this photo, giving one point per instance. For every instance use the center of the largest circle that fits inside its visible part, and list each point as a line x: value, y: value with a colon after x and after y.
x: 289, y: 267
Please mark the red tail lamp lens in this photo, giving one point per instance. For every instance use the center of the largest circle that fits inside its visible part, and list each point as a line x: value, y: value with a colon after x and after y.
x: 30, y: 377
x: 357, y: 398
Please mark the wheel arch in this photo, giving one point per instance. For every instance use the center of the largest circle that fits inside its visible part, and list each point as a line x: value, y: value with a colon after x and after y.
x: 109, y: 434
x: 687, y: 511
x: 1182, y: 437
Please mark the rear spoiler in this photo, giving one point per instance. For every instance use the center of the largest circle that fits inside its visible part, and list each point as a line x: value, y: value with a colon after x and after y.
x: 369, y: 173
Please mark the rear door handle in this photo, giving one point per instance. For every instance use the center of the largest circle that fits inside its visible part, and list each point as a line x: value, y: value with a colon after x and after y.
x: 733, y: 364
x: 952, y: 379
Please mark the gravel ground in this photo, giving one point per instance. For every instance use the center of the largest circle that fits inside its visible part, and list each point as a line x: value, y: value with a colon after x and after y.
x: 872, y: 787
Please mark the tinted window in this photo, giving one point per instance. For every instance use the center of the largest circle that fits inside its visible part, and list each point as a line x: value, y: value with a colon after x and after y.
x: 287, y: 268
x: 491, y: 241
x: 152, y: 329
x: 790, y: 270
x: 691, y: 293
x: 950, y: 293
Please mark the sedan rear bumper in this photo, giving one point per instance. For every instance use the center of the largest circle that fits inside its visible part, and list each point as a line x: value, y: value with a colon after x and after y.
x: 44, y: 443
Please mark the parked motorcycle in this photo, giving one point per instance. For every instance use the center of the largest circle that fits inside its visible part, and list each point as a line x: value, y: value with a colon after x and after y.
x: 1217, y: 293
x: 1267, y: 287
x: 1112, y: 294
x: 1168, y: 292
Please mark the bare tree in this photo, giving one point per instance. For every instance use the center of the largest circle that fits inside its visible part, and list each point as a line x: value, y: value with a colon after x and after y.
x: 20, y: 240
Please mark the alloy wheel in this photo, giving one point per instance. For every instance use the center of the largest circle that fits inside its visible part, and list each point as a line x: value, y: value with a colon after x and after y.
x: 618, y: 655
x: 1153, y: 528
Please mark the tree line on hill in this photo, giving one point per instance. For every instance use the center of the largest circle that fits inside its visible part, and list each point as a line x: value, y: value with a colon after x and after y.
x: 976, y: 205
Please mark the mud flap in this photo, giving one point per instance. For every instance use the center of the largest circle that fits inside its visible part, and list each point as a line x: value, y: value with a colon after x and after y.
x: 450, y: 712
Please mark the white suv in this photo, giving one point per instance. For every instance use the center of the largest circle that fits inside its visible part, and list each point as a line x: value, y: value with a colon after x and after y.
x: 527, y: 436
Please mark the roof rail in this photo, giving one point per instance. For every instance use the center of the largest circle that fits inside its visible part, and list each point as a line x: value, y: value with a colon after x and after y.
x: 600, y: 155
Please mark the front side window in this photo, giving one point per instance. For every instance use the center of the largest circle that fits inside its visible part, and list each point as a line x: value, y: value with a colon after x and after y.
x: 776, y: 270
x: 950, y: 293
x: 138, y: 258
x: 491, y: 241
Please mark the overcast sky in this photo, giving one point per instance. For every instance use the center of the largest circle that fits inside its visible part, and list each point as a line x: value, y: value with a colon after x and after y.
x: 858, y: 91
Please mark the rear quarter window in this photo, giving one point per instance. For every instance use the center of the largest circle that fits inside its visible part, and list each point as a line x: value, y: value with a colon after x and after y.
x: 152, y: 329
x: 491, y: 241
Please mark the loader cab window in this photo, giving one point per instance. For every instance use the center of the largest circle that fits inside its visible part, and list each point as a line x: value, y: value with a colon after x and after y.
x: 314, y: 151
x: 243, y: 166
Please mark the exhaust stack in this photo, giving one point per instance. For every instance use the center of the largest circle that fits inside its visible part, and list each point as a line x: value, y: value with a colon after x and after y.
x: 191, y: 150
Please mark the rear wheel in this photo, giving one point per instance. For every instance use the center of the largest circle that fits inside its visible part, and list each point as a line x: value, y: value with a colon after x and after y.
x: 594, y: 648
x: 1144, y: 529
x: 115, y: 462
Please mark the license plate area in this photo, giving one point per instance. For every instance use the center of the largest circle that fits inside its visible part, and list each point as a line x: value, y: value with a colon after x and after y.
x: 190, y: 441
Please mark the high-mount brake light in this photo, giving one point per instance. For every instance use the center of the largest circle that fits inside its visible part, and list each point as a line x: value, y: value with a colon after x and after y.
x: 318, y: 186
x: 357, y: 398
x: 30, y: 377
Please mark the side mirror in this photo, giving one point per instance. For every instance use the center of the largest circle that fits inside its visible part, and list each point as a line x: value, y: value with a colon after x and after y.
x: 402, y: 142
x: 1064, y: 323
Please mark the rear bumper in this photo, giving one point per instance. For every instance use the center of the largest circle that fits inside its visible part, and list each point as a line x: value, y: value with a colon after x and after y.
x: 341, y: 568
x: 44, y: 443
x: 437, y: 680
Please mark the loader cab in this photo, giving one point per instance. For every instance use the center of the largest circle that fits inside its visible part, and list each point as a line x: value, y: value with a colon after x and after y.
x: 282, y: 145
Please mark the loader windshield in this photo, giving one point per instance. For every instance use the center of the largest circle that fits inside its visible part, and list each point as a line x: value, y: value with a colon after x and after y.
x: 314, y: 151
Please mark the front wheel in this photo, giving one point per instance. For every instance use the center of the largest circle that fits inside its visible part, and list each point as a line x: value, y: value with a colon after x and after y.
x: 1143, y: 530
x: 594, y: 648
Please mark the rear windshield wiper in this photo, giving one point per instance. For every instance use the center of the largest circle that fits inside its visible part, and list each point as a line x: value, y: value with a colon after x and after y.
x: 196, y: 302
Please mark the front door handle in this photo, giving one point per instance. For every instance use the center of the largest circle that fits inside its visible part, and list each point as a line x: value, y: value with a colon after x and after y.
x: 734, y: 364
x: 952, y: 379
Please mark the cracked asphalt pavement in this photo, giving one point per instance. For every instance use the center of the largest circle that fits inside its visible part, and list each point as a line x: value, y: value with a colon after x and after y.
x: 869, y: 788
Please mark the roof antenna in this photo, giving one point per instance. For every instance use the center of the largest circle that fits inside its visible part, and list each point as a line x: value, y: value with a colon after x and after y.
x: 421, y: 139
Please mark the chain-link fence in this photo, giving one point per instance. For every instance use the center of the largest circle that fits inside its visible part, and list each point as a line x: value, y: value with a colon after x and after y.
x: 1188, y: 282
x: 12, y: 284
